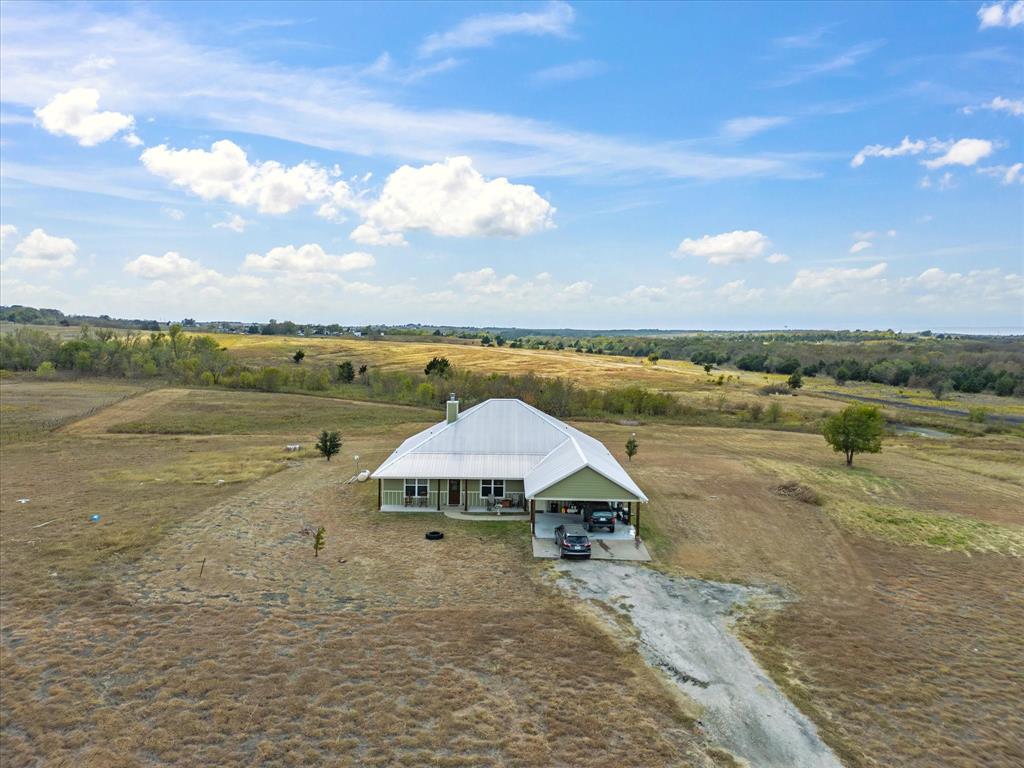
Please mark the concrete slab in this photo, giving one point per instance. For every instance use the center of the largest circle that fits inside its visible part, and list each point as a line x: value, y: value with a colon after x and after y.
x: 601, y: 549
x: 546, y: 523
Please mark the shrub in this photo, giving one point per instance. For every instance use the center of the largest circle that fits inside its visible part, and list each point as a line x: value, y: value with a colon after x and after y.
x: 756, y: 410
x: 977, y: 415
x: 774, y: 412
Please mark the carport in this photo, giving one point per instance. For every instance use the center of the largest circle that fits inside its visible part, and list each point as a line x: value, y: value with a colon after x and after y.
x: 544, y: 524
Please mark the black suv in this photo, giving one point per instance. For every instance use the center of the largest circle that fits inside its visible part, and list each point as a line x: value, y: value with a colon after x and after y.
x: 572, y: 541
x: 601, y: 518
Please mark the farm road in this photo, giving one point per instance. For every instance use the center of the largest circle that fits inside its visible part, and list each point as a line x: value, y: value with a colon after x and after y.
x: 683, y: 631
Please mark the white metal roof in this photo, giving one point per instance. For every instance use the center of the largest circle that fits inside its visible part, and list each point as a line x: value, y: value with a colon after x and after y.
x: 504, y: 439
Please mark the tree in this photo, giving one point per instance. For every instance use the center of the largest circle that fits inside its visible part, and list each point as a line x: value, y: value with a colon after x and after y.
x: 653, y: 358
x: 329, y: 443
x: 318, y: 541
x: 631, y: 447
x: 346, y: 373
x: 856, y: 429
x: 362, y: 373
x: 438, y: 366
x: 708, y: 368
x: 299, y: 354
x: 774, y: 412
x: 795, y: 380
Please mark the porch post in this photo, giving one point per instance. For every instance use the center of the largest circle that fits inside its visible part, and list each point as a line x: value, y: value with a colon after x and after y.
x: 465, y: 496
x: 637, y: 504
x: 437, y: 484
x: 380, y: 484
x: 533, y: 517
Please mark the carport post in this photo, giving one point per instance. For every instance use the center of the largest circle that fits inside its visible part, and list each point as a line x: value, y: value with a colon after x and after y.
x: 380, y: 484
x: 533, y: 517
x: 637, y: 505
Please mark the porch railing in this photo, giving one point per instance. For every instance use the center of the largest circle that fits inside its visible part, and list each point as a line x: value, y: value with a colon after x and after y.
x: 399, y: 499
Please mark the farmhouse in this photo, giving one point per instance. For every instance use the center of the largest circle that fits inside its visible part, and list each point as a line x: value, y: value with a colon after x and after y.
x: 506, y: 456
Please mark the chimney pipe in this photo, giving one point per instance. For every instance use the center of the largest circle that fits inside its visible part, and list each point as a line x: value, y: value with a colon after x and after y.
x: 452, y: 408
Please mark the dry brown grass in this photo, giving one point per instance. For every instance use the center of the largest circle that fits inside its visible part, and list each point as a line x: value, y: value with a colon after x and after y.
x: 385, y: 650
x: 902, y: 655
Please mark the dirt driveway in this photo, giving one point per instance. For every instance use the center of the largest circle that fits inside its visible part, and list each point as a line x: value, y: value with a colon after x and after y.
x: 683, y: 630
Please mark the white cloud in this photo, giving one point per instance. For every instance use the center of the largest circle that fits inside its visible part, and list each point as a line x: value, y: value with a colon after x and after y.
x: 177, y: 276
x: 307, y: 258
x: 726, y: 248
x: 76, y: 113
x: 906, y: 147
x: 564, y: 73
x: 977, y: 288
x: 1004, y: 14
x: 224, y: 172
x: 7, y: 231
x: 367, y: 234
x: 481, y: 31
x: 684, y: 285
x: 175, y: 214
x: 835, y: 279
x: 736, y: 292
x: 745, y: 127
x: 234, y: 222
x: 946, y: 181
x: 39, y: 250
x: 1013, y: 107
x: 1007, y: 174
x: 860, y: 245
x: 452, y: 199
x: 171, y: 264
x: 962, y: 152
x: 777, y: 258
x: 842, y: 61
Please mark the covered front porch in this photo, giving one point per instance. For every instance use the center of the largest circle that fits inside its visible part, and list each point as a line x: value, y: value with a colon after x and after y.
x: 471, y: 496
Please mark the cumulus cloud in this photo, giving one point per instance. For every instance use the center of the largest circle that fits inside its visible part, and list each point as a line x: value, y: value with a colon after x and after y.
x: 307, y: 258
x: 962, y: 152
x: 860, y: 245
x: 1013, y: 107
x: 171, y: 264
x: 234, y: 222
x: 76, y: 113
x: 39, y: 250
x: 1004, y: 14
x: 835, y: 279
x: 452, y: 199
x: 174, y: 272
x: 225, y: 173
x: 905, y: 147
x: 481, y: 31
x: 684, y: 285
x: 726, y: 248
x: 777, y: 258
x: 737, y: 292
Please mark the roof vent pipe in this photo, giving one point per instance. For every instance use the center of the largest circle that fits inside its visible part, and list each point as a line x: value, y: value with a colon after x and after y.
x: 453, y: 408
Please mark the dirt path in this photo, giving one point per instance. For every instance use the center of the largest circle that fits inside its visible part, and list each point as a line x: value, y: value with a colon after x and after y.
x: 683, y: 629
x: 129, y: 409
x: 1007, y: 417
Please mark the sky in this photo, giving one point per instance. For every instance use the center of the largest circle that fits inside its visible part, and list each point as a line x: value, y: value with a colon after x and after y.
x: 716, y: 166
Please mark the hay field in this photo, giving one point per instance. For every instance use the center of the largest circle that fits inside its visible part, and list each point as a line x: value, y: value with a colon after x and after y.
x: 385, y: 650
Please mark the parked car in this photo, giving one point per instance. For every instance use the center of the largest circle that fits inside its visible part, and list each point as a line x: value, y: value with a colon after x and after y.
x: 572, y: 541
x: 603, y: 517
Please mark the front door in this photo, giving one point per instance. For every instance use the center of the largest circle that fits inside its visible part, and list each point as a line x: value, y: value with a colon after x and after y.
x: 454, y: 494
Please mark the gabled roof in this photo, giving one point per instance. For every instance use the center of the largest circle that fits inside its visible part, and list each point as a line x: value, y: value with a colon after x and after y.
x: 504, y: 439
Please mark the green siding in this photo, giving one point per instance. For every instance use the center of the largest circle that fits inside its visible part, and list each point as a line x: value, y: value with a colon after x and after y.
x: 586, y: 485
x: 513, y: 486
x: 393, y: 485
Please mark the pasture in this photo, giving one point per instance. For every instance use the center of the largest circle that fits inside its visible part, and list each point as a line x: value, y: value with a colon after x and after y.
x: 192, y: 623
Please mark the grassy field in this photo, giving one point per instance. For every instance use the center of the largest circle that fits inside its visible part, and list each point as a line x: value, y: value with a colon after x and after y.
x: 192, y: 623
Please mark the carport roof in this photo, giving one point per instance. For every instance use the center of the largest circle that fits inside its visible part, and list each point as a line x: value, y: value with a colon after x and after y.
x: 504, y: 438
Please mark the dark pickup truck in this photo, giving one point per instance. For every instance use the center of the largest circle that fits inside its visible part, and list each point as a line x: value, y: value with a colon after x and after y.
x: 600, y: 518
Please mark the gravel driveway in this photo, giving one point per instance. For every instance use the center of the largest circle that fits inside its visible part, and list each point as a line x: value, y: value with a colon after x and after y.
x: 684, y: 631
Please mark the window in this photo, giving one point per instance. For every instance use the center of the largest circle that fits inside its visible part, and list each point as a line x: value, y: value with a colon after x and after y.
x: 415, y: 487
x: 495, y: 488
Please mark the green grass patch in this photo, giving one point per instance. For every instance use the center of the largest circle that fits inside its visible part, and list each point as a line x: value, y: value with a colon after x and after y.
x: 947, y: 532
x: 219, y: 412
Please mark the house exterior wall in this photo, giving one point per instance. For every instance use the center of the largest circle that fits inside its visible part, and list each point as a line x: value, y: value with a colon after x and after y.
x: 586, y: 485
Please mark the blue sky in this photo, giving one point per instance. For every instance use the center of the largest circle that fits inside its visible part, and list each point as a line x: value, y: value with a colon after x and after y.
x: 534, y: 164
